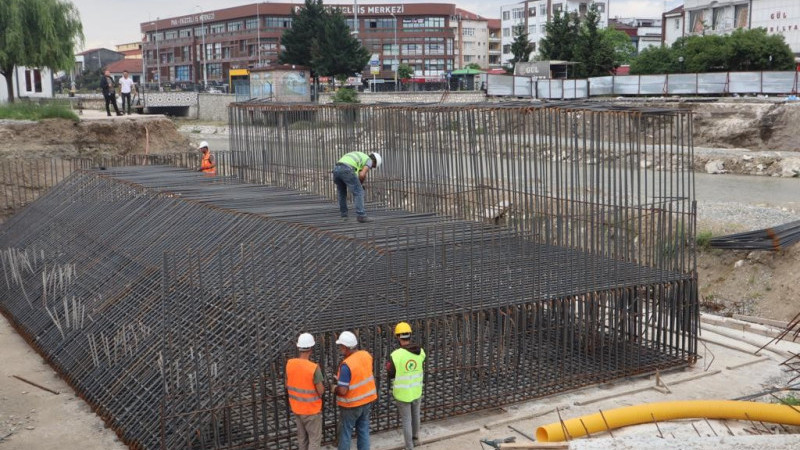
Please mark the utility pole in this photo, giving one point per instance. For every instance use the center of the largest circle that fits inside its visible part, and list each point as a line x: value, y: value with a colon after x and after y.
x: 158, y: 58
x: 397, y: 52
x: 258, y: 33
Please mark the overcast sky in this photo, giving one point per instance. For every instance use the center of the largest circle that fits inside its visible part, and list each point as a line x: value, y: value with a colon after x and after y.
x: 107, y: 23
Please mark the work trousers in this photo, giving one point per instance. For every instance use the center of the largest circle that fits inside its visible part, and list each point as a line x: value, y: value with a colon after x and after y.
x: 409, y: 417
x: 354, y: 418
x: 126, y: 96
x: 111, y: 99
x: 345, y: 178
x: 309, y: 431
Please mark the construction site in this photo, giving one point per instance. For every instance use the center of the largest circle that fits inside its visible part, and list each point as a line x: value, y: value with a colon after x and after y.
x: 546, y: 256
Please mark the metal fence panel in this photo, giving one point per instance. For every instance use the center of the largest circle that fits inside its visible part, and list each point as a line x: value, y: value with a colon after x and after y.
x: 778, y: 82
x: 712, y: 83
x: 682, y: 83
x: 523, y: 87
x: 652, y: 84
x: 550, y: 89
x: 626, y: 85
x: 744, y: 83
x: 500, y: 85
x: 601, y: 86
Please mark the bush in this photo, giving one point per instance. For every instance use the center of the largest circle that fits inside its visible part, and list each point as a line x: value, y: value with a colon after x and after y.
x: 34, y: 111
x: 703, y: 240
x: 345, y: 95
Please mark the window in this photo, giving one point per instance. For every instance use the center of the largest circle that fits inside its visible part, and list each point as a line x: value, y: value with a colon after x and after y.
x: 33, y: 80
x: 434, y: 66
x: 226, y: 53
x: 518, y: 13
x: 506, y: 15
x: 172, y: 34
x: 184, y: 33
x: 507, y: 48
x: 251, y: 23
x: 186, y: 52
x: 411, y: 49
x: 434, y: 46
x: 740, y: 16
x: 381, y: 23
x: 217, y: 28
x: 468, y: 31
x: 214, y: 70
x: 388, y: 64
x: 532, y: 11
x: 468, y: 58
x: 198, y: 32
x: 601, y: 7
x: 696, y: 21
x: 182, y: 73
x: 279, y: 22
x: 532, y: 29
x: 423, y: 22
x: 543, y: 9
x: 716, y: 19
x: 582, y: 8
x: 389, y: 49
x: 557, y: 7
x: 677, y: 24
x: 234, y: 26
x: 506, y: 32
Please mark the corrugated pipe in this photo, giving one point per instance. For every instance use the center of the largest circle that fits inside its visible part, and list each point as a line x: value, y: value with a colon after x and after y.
x: 663, y: 411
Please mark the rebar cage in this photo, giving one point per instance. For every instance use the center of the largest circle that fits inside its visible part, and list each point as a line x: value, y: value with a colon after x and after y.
x: 534, y: 250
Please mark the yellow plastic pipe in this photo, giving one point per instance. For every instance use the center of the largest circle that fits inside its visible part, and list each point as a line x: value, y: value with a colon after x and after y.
x: 663, y: 411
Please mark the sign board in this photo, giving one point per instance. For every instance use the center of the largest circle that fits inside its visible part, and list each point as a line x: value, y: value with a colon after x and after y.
x: 539, y: 69
x: 374, y: 70
x: 375, y: 60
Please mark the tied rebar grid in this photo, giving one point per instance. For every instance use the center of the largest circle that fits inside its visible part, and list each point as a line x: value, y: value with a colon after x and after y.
x: 150, y: 286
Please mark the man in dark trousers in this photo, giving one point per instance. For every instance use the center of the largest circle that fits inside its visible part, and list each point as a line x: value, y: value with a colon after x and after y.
x: 404, y: 368
x: 109, y: 93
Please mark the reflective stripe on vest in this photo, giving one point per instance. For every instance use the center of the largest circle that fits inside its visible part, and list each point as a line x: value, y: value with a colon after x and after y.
x: 362, y: 381
x: 356, y: 160
x: 205, y: 165
x: 407, y: 385
x: 303, y: 397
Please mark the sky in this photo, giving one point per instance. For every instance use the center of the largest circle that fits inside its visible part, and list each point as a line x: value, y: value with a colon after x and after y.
x: 107, y: 23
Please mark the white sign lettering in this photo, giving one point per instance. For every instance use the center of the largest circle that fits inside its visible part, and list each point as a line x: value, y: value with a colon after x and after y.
x: 190, y: 20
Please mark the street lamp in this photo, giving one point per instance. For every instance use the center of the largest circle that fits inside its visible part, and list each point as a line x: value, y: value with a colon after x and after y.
x: 680, y: 60
x: 397, y: 52
x: 205, y: 53
x: 158, y: 58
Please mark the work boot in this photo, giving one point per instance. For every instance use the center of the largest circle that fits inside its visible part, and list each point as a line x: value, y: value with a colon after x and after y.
x: 364, y: 219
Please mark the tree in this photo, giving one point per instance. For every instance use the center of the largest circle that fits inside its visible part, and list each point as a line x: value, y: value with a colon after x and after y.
x: 37, y: 33
x: 404, y: 71
x: 751, y: 50
x: 335, y: 52
x: 521, y: 48
x: 307, y: 25
x: 475, y: 66
x: 595, y: 54
x: 654, y: 60
x: 561, y: 35
x: 624, y: 50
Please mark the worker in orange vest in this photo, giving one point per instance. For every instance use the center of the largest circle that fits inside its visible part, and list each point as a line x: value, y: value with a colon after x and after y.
x: 304, y: 384
x: 355, y: 391
x: 208, y: 164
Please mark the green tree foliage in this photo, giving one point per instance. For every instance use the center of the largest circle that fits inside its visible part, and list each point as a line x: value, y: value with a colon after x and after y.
x: 561, y: 35
x: 595, y: 54
x: 475, y: 66
x: 335, y: 52
x: 655, y: 60
x: 624, y: 50
x: 521, y: 48
x: 404, y: 71
x: 37, y: 33
x: 742, y: 50
x: 307, y: 25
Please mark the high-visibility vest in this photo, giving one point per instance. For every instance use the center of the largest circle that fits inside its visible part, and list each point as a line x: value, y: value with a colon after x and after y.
x: 205, y: 166
x: 362, y: 381
x: 407, y: 385
x: 303, y: 397
x: 356, y: 160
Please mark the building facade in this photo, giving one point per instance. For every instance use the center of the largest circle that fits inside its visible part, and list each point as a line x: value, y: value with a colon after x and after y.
x: 644, y: 33
x: 495, y: 44
x: 672, y: 25
x: 96, y: 58
x: 534, y: 15
x: 28, y: 82
x: 723, y: 16
x: 207, y: 45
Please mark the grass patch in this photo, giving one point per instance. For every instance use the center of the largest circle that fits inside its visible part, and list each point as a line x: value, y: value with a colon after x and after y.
x: 22, y: 110
x: 703, y: 240
x: 791, y: 399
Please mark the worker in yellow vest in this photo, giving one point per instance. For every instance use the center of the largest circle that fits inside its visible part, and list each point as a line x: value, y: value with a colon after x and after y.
x: 208, y: 164
x: 355, y: 391
x: 304, y: 384
x: 405, y: 369
x: 350, y: 172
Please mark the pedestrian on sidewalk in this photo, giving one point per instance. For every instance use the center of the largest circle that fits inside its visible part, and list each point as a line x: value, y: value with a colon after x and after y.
x: 109, y: 92
x: 304, y: 385
x: 355, y: 391
x: 351, y: 172
x: 405, y: 370
x: 126, y: 86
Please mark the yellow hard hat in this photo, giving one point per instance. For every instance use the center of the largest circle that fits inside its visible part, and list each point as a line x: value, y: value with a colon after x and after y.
x: 402, y: 328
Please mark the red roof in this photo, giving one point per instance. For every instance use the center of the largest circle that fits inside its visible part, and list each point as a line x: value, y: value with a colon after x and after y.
x: 131, y: 65
x: 494, y: 24
x: 469, y: 15
x: 132, y: 53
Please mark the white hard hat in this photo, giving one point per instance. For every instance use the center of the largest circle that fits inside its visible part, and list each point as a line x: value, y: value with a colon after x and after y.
x: 347, y: 339
x: 202, y: 145
x: 306, y: 340
x: 378, y: 159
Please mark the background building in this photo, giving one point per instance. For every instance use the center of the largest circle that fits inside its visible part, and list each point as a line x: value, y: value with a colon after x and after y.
x: 534, y: 14
x: 672, y: 25
x: 28, y: 83
x: 131, y: 50
x: 96, y: 58
x: 644, y: 33
x: 424, y: 36
x: 495, y: 44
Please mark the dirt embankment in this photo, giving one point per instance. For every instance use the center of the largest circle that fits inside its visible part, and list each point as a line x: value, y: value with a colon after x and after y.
x: 60, y: 137
x: 754, y: 126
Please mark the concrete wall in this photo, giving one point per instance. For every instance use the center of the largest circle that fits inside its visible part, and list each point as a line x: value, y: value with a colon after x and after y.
x: 213, y: 107
x: 413, y: 97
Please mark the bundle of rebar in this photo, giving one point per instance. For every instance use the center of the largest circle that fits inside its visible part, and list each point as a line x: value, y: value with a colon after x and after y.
x: 171, y: 299
x: 776, y: 238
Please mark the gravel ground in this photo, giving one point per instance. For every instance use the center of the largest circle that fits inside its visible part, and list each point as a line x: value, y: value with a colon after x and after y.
x: 733, y: 217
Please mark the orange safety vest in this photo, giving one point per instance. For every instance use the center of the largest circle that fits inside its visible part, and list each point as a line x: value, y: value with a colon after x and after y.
x: 205, y: 166
x: 303, y: 397
x: 362, y: 382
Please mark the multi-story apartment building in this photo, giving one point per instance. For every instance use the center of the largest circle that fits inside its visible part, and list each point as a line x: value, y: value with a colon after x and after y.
x: 644, y: 33
x: 422, y: 35
x: 495, y: 44
x: 723, y: 16
x: 534, y: 15
x: 672, y: 25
